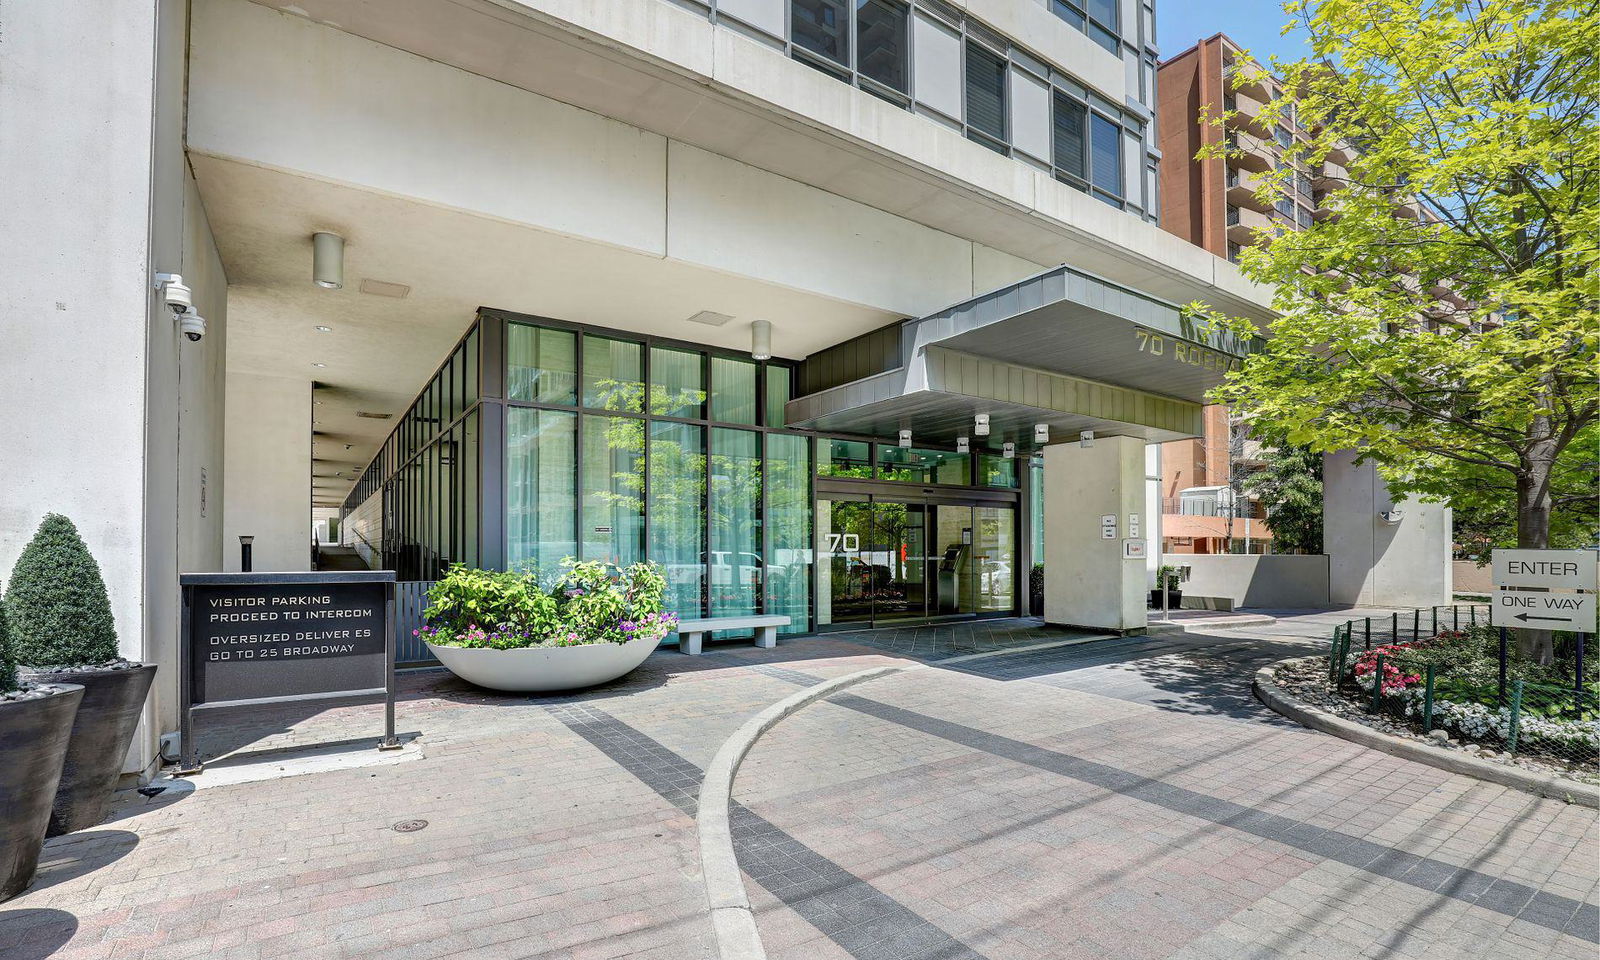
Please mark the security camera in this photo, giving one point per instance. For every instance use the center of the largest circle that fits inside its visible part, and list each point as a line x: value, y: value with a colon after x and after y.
x: 179, y: 298
x: 192, y: 324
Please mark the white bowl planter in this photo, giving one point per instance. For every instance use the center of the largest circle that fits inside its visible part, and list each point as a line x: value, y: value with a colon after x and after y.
x: 544, y: 669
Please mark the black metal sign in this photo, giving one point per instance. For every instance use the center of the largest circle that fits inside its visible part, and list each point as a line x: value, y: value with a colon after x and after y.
x: 250, y: 639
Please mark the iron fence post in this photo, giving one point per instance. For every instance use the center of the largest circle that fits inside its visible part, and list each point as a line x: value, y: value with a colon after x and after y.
x: 1502, y: 664
x: 1377, y: 684
x: 1416, y: 624
x: 1427, y: 702
x: 1435, y: 612
x: 1394, y: 627
x: 1472, y: 614
x: 1516, y: 716
x: 1366, y: 626
x: 1577, y: 672
x: 1455, y: 617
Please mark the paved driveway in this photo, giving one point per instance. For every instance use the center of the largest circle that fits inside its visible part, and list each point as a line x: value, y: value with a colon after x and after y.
x: 1108, y: 799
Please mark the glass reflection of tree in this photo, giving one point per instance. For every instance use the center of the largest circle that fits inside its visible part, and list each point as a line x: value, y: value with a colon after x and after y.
x: 891, y: 521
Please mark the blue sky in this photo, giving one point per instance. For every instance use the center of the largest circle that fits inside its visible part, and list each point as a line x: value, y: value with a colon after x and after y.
x: 1253, y: 24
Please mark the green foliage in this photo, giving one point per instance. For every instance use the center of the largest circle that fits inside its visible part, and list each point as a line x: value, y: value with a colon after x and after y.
x: 591, y: 602
x: 56, y: 602
x: 8, y: 664
x: 1454, y: 345
x: 1289, y: 486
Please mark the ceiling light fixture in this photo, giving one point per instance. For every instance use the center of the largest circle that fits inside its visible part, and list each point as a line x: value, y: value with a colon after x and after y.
x: 327, y: 260
x: 317, y: 364
x: 980, y: 425
x: 322, y: 329
x: 761, y: 339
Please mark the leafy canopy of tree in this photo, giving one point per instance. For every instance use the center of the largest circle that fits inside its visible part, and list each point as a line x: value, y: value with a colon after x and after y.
x: 1289, y: 486
x: 1453, y: 341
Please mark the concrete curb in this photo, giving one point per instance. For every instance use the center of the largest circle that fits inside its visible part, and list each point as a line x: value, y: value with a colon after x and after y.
x: 735, y: 925
x: 1274, y: 696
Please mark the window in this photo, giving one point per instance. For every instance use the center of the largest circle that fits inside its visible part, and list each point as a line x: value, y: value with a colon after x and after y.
x: 1285, y: 208
x: 736, y: 563
x: 613, y: 489
x: 777, y: 394
x: 822, y: 27
x: 997, y: 471
x: 541, y: 481
x: 611, y: 376
x: 733, y: 390
x: 986, y: 92
x: 1103, y: 24
x: 677, y: 512
x: 788, y: 563
x: 922, y: 466
x: 881, y: 46
x: 677, y: 383
x: 1070, y: 13
x: 541, y: 365
x: 1107, y: 152
x: 844, y: 458
x: 1070, y: 117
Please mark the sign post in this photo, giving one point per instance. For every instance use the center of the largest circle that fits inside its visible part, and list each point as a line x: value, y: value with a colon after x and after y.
x: 1545, y: 589
x: 256, y: 639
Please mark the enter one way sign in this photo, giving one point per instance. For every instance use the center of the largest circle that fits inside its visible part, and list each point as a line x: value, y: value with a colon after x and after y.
x: 1543, y: 611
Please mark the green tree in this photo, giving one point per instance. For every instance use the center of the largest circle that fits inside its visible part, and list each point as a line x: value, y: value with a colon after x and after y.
x: 1444, y: 321
x: 56, y: 603
x: 8, y: 663
x: 1289, y: 486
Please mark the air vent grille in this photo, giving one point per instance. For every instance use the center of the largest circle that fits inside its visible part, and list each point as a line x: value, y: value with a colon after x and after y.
x: 369, y: 415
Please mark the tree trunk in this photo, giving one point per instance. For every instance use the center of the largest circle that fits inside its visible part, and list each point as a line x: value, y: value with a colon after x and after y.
x: 1533, y: 533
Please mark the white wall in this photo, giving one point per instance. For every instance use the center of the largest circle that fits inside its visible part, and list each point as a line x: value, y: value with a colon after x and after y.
x: 268, y: 472
x: 1374, y: 563
x: 1088, y: 582
x: 1284, y: 581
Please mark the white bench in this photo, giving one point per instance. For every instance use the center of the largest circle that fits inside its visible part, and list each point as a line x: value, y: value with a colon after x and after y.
x: 691, y: 632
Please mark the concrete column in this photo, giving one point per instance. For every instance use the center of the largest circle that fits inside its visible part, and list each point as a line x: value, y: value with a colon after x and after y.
x: 1403, y: 561
x: 1087, y: 580
x: 268, y: 462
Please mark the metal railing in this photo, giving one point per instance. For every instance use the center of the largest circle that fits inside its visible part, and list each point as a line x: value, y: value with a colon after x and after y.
x: 410, y: 599
x: 1447, y: 669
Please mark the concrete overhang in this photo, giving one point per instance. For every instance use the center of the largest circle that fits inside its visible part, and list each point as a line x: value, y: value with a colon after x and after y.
x: 1061, y: 347
x: 673, y: 72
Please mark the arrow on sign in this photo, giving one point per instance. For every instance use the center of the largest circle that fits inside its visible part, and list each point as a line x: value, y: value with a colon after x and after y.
x: 1525, y: 617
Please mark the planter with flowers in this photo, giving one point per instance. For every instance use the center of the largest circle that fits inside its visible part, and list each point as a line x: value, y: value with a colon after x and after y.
x: 506, y: 631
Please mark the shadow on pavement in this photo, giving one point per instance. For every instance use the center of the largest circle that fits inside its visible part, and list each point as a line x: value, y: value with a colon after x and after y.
x: 34, y: 934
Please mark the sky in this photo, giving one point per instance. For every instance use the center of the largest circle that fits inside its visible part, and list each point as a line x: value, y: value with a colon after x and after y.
x: 1253, y: 24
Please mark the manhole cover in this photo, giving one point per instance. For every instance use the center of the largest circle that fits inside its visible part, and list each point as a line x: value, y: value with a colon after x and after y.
x: 409, y: 826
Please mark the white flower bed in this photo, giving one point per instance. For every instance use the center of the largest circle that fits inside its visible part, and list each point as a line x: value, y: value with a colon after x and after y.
x: 1477, y: 722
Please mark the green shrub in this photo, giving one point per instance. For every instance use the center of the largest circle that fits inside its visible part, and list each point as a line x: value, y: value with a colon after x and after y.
x: 56, y: 602
x: 8, y: 666
x: 591, y: 602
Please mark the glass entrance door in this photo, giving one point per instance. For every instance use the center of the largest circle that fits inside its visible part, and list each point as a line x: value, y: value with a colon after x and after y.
x: 887, y: 560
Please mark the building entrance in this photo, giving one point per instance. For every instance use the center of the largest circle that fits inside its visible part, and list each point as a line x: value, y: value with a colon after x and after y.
x: 893, y: 558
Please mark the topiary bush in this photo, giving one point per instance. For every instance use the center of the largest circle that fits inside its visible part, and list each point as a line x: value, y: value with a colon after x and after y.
x: 56, y: 603
x: 8, y: 664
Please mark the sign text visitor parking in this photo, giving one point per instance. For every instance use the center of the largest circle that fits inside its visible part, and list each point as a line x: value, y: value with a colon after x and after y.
x: 259, y: 639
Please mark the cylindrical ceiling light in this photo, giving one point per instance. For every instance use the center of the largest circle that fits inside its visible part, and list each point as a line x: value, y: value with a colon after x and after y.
x: 761, y: 339
x: 327, y: 260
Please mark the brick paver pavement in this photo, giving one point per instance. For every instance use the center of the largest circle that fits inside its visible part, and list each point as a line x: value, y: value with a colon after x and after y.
x: 1118, y: 798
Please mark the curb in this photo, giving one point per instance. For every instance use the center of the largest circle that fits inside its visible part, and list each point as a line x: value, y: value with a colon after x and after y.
x: 1557, y: 788
x: 735, y: 925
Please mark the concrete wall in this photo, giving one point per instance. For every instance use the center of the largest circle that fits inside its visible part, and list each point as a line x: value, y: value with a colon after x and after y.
x: 1256, y: 580
x: 1088, y: 582
x: 1372, y: 562
x: 1469, y: 576
x: 268, y: 472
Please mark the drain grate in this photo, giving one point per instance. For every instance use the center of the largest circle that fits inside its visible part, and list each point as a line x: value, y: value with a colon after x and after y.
x: 409, y: 826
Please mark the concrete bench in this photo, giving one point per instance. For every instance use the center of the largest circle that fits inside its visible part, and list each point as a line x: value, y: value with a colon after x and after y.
x: 691, y: 632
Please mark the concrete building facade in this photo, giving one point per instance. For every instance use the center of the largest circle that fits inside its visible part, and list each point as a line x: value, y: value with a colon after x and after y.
x: 849, y: 288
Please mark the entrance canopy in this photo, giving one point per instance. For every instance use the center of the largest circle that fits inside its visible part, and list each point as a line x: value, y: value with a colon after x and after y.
x: 1062, y: 348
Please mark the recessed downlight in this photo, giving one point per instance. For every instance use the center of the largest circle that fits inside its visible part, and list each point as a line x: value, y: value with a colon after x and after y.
x: 322, y: 329
x: 318, y: 364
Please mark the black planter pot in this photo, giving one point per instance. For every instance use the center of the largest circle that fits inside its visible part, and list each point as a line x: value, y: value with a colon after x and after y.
x: 1174, y: 599
x: 33, y: 743
x: 112, y: 700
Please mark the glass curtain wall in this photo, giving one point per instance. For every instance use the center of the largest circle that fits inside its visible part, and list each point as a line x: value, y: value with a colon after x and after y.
x: 621, y: 449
